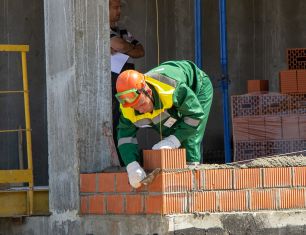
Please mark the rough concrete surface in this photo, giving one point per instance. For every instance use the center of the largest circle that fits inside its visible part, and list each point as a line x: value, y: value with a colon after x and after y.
x: 273, y: 161
x: 259, y: 223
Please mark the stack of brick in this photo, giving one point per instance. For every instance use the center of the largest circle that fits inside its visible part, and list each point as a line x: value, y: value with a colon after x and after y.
x: 268, y: 124
x: 265, y: 123
x: 177, y: 190
x: 293, y: 80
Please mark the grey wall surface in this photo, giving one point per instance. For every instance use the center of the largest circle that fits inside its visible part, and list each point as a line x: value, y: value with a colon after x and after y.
x: 22, y: 22
x: 259, y: 31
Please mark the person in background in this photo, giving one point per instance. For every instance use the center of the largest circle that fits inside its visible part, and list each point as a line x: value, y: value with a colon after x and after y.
x: 121, y: 41
x: 173, y: 98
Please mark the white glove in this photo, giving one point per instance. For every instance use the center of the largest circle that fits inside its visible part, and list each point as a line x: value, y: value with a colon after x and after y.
x: 170, y: 142
x: 135, y: 173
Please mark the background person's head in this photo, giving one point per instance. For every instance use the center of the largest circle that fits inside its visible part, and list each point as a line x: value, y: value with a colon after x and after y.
x: 132, y: 91
x: 114, y: 11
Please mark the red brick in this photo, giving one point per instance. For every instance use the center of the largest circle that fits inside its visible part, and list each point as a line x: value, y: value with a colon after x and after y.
x: 301, y: 80
x: 247, y: 178
x: 233, y: 201
x: 273, y: 127
x: 240, y: 128
x: 302, y: 126
x: 96, y: 204
x: 115, y: 204
x: 292, y: 198
x: 288, y: 81
x: 174, y: 203
x: 84, y: 204
x: 134, y: 204
x: 263, y: 200
x: 106, y: 182
x: 296, y: 58
x: 258, y: 86
x: 203, y: 201
x: 299, y: 176
x: 199, y: 179
x: 218, y: 179
x: 142, y: 188
x: 176, y: 181
x: 277, y: 177
x: 290, y: 126
x: 157, y: 185
x: 154, y: 204
x: 122, y: 182
x: 164, y: 159
x: 257, y: 129
x: 88, y: 183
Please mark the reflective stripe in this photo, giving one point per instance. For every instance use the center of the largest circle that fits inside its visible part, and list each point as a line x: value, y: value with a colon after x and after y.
x: 191, y: 122
x: 162, y: 78
x: 127, y: 140
x: 143, y: 122
x: 161, y: 117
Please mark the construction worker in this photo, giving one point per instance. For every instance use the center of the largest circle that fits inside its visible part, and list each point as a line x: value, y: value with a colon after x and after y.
x: 173, y: 98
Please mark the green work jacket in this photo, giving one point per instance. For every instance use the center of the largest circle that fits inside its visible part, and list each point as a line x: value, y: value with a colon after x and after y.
x: 181, y: 119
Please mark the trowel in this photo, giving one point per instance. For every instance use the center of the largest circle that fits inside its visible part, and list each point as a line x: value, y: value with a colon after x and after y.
x: 150, y: 177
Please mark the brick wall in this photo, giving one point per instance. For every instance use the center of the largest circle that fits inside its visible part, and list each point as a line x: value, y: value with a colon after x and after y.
x: 186, y: 190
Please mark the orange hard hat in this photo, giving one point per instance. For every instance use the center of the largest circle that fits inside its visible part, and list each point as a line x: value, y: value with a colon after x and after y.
x: 129, y: 85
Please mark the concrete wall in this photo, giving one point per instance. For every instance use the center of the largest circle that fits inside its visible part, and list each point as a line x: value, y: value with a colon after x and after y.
x: 79, y: 112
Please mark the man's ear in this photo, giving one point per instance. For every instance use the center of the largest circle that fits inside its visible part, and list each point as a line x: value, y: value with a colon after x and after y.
x: 148, y: 89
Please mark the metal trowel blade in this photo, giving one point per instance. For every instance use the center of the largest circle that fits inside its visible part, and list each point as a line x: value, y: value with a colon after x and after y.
x: 150, y: 177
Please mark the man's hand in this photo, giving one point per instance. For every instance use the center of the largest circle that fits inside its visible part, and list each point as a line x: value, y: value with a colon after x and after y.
x: 170, y: 142
x: 135, y: 173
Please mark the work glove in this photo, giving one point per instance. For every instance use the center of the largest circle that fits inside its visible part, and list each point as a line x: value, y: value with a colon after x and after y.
x: 135, y: 173
x: 170, y: 142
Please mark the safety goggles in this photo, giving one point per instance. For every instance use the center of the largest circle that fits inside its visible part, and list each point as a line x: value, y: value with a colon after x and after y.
x: 126, y: 98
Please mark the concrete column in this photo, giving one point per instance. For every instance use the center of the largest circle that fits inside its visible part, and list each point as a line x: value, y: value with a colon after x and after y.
x: 78, y: 97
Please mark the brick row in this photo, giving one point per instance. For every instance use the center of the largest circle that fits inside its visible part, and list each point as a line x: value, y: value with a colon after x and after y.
x: 259, y: 128
x: 195, y: 201
x: 245, y: 150
x: 105, y: 182
x: 269, y: 104
x: 198, y: 179
x: 227, y: 179
x: 134, y: 204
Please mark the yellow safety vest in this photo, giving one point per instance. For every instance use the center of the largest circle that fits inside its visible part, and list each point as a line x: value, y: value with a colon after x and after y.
x: 165, y: 92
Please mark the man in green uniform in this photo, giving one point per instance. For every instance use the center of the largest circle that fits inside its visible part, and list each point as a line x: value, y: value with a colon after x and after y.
x: 175, y: 99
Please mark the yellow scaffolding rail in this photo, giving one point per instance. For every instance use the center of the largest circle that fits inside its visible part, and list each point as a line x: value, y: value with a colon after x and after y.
x: 24, y: 175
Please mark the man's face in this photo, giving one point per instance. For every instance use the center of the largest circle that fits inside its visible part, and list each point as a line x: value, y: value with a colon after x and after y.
x: 114, y: 10
x: 144, y: 105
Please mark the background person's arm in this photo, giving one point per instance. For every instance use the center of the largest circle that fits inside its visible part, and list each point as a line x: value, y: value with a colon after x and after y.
x: 120, y: 45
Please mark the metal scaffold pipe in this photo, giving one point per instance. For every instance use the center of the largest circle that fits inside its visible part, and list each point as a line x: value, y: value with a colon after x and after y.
x: 198, y: 33
x: 224, y: 78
